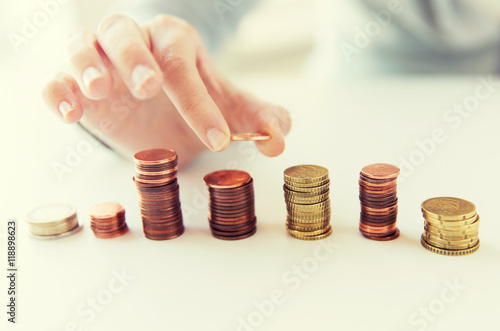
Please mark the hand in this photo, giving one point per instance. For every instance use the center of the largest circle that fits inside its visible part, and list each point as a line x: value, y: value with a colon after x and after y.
x: 150, y: 86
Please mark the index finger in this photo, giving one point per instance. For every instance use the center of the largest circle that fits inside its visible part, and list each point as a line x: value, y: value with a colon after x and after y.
x: 175, y: 46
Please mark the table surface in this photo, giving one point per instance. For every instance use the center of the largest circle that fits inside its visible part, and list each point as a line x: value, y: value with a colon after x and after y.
x: 269, y: 281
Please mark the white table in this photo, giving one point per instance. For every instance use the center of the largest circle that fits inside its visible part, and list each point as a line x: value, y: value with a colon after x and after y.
x: 197, y: 282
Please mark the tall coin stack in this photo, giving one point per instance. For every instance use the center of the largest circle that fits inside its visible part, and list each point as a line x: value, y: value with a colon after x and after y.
x: 232, y: 205
x: 156, y: 182
x: 107, y: 220
x: 307, y: 190
x: 379, y: 201
x: 451, y: 226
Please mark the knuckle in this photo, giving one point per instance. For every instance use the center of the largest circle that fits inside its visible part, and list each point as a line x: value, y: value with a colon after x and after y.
x: 111, y: 20
x: 173, y: 22
x: 173, y: 65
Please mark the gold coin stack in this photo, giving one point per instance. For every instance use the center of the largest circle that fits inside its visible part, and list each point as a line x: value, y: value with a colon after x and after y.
x: 53, y: 221
x: 307, y: 190
x: 451, y: 226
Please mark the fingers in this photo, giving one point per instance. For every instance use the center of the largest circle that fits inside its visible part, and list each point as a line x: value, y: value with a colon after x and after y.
x: 175, y: 45
x: 59, y: 95
x: 245, y: 113
x: 275, y: 121
x: 87, y: 65
x: 128, y: 48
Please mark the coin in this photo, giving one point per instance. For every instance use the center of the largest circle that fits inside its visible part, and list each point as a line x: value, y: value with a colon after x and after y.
x: 317, y: 237
x: 226, y: 179
x: 447, y: 208
x: 155, y: 156
x: 250, y: 136
x: 52, y: 221
x: 449, y: 252
x: 378, y: 201
x: 306, y: 174
x: 231, y: 204
x: 380, y: 171
x: 158, y: 190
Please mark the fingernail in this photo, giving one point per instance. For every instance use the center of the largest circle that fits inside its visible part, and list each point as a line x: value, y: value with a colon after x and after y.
x: 217, y: 139
x: 90, y: 74
x: 143, y: 79
x: 64, y: 108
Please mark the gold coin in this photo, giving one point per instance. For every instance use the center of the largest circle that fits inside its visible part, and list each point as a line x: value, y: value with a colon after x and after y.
x: 472, y: 223
x: 458, y: 242
x: 447, y: 208
x: 290, y: 193
x: 452, y: 233
x: 451, y: 221
x: 67, y: 226
x: 451, y: 237
x: 324, y: 218
x: 313, y: 190
x: 51, y: 215
x: 300, y: 186
x: 307, y: 226
x: 433, y: 242
x: 307, y: 200
x: 319, y: 219
x: 315, y: 207
x: 449, y: 252
x: 317, y: 237
x: 309, y: 233
x: 306, y: 173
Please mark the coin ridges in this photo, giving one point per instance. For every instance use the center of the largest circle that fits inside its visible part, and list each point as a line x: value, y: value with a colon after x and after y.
x: 379, y: 201
x: 306, y: 191
x: 451, y: 226
x: 158, y: 192
x: 231, y: 205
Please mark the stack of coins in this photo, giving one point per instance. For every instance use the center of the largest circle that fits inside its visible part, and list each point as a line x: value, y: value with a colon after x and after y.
x: 232, y: 205
x: 156, y: 182
x: 107, y: 220
x: 379, y: 201
x: 451, y: 226
x: 52, y: 221
x: 307, y: 190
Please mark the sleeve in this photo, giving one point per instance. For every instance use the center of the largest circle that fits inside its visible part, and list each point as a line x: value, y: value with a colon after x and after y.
x: 214, y: 19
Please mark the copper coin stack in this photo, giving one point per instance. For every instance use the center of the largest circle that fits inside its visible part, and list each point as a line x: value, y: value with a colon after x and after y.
x: 232, y: 205
x: 156, y: 182
x: 379, y: 201
x: 107, y: 220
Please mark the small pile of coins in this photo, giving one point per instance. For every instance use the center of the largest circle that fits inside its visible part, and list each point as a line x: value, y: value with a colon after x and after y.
x: 53, y: 221
x: 232, y: 205
x: 107, y: 220
x: 156, y: 182
x: 379, y: 201
x: 451, y: 226
x: 307, y: 190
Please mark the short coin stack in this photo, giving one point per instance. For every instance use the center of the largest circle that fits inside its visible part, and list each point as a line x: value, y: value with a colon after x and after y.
x: 379, y: 201
x: 451, y: 226
x: 107, y: 220
x: 307, y: 190
x: 53, y: 221
x: 156, y: 182
x: 232, y: 205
